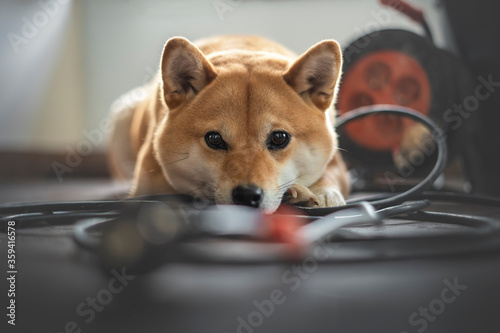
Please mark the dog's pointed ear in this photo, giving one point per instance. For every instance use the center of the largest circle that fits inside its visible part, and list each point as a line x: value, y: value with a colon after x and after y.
x: 184, y: 71
x: 315, y: 74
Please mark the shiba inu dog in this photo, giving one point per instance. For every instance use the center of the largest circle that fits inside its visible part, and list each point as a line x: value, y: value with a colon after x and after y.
x: 237, y: 119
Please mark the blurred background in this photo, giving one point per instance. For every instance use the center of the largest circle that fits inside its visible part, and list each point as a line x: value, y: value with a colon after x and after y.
x: 64, y: 62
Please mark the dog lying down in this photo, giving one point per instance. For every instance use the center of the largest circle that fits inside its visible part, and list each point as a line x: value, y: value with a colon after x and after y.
x: 236, y: 119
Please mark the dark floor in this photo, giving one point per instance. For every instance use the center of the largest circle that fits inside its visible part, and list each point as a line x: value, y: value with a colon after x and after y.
x: 55, y: 277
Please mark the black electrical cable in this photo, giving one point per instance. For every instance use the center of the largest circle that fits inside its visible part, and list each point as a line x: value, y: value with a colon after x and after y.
x: 81, y: 232
x: 461, y: 198
x: 358, y: 214
x: 101, y: 205
x: 482, y: 235
x: 402, y: 209
x: 480, y: 224
x: 36, y: 220
x: 67, y: 213
x: 436, y: 132
x: 427, y: 30
x: 456, y: 197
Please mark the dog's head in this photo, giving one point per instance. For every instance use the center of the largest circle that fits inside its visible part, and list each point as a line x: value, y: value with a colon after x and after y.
x: 242, y: 127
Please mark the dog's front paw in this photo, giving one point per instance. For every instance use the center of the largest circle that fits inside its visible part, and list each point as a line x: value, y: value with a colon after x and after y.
x: 328, y: 197
x: 315, y: 197
x: 301, y: 196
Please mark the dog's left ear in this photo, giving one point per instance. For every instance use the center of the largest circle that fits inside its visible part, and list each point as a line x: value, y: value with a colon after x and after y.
x: 184, y: 71
x: 314, y: 74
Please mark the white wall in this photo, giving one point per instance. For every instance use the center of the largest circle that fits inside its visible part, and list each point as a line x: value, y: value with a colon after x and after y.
x: 40, y: 89
x: 119, y: 44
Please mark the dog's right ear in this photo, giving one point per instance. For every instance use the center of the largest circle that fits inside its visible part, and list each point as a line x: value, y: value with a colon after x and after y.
x: 315, y: 74
x: 184, y: 71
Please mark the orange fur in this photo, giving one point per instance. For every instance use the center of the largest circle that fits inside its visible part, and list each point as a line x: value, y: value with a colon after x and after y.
x: 244, y: 88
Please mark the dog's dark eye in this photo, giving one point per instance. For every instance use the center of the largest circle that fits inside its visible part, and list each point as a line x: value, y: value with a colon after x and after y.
x: 278, y: 140
x: 214, y: 140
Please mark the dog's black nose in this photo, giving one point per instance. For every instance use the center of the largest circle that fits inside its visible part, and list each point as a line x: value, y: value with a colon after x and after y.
x: 248, y: 195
